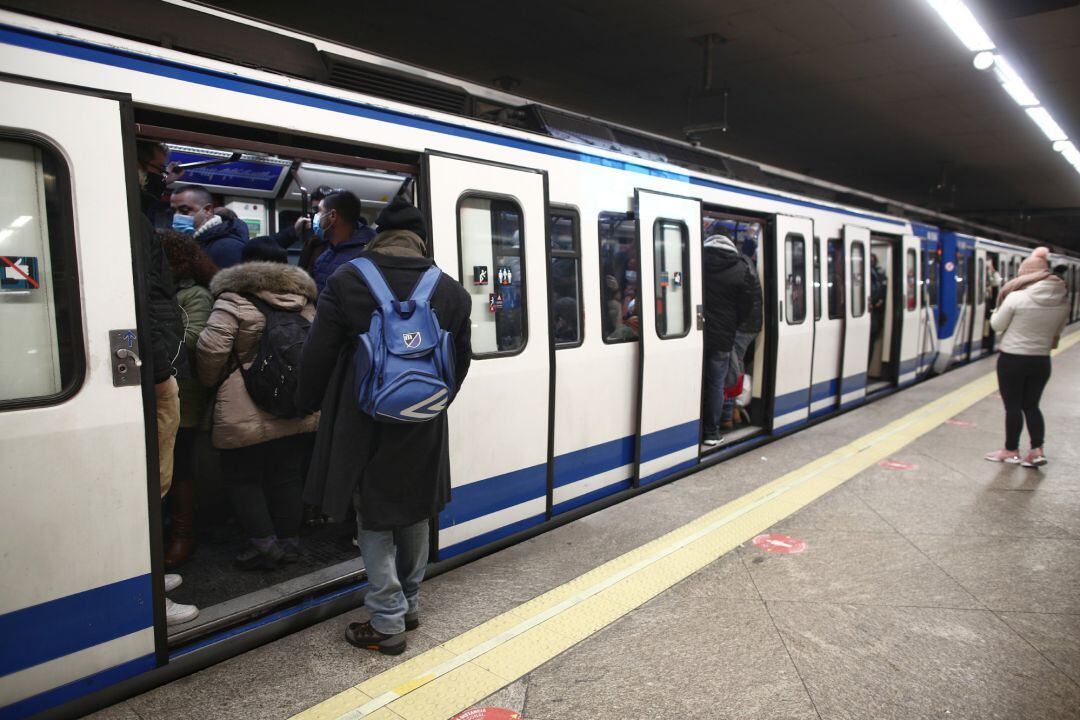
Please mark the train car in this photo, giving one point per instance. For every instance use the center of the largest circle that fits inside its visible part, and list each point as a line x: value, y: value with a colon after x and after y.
x: 584, y: 266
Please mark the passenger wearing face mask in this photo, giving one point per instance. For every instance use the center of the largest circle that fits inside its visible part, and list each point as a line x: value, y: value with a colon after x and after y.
x: 340, y: 225
x: 223, y: 239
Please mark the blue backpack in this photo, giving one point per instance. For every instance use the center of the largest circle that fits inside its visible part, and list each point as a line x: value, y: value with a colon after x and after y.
x: 405, y: 361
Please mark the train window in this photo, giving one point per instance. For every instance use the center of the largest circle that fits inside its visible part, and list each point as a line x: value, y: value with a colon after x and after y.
x: 834, y: 272
x: 961, y: 280
x: 671, y: 252
x: 912, y: 281
x: 858, y: 279
x: 980, y: 282
x: 817, y: 279
x: 933, y: 264
x: 565, y: 240
x: 795, y: 283
x: 490, y: 243
x: 620, y: 284
x: 39, y: 287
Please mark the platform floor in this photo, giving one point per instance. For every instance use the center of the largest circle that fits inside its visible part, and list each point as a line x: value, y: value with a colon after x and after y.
x: 947, y: 590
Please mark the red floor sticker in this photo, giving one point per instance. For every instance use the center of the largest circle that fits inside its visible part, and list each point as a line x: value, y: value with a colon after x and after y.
x: 960, y: 423
x: 771, y: 542
x: 898, y: 465
x: 488, y: 713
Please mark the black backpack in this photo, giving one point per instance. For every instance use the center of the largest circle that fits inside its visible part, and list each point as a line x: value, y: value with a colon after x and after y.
x: 271, y: 379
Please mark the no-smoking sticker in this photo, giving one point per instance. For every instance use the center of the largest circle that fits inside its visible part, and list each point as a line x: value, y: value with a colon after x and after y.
x: 959, y: 423
x: 488, y: 713
x: 898, y: 465
x: 785, y: 544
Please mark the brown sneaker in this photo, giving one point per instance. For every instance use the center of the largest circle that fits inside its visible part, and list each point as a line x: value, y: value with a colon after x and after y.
x: 364, y: 636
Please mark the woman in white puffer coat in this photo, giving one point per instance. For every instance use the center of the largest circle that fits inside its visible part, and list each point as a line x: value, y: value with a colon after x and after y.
x: 1031, y: 314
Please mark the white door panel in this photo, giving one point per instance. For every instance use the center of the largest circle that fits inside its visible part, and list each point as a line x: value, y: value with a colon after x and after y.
x: 795, y: 319
x: 912, y: 323
x: 499, y: 420
x: 857, y: 311
x: 828, y: 341
x: 669, y: 232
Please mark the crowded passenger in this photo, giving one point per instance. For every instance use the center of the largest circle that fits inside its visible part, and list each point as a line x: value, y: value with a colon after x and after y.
x: 879, y: 288
x: 1031, y: 313
x: 261, y: 452
x: 222, y: 239
x: 729, y: 303
x: 745, y: 333
x: 192, y: 272
x: 397, y: 474
x: 340, y: 225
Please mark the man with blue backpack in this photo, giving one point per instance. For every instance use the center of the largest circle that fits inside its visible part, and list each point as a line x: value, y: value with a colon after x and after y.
x: 387, y: 353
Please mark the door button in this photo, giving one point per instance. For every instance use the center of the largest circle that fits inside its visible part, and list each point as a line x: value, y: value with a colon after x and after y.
x: 124, y: 357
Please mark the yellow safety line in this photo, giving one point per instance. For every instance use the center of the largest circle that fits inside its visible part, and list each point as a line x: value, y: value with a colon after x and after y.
x: 449, y: 678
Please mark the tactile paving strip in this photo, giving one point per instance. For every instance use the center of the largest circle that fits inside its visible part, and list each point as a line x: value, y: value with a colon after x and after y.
x: 448, y: 679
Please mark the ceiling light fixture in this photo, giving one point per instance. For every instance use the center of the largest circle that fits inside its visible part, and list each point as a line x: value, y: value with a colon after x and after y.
x: 963, y: 24
x: 1047, y: 124
x: 984, y: 60
x: 1013, y: 83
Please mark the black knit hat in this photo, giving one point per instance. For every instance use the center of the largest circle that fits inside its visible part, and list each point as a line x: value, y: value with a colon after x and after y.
x: 263, y: 249
x: 401, y: 215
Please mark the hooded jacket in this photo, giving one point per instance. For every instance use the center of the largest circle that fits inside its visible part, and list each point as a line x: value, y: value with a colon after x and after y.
x: 223, y: 240
x: 166, y: 328
x: 729, y: 297
x: 334, y: 256
x: 1033, y: 318
x: 232, y: 335
x: 400, y: 472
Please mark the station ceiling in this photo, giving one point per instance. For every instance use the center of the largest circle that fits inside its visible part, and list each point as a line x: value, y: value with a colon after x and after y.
x: 874, y: 94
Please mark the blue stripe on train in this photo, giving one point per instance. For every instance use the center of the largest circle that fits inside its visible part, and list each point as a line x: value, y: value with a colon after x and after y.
x: 115, y: 57
x: 52, y: 629
x: 77, y: 688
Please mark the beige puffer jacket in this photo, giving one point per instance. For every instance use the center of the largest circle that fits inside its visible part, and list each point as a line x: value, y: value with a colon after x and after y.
x: 233, y: 331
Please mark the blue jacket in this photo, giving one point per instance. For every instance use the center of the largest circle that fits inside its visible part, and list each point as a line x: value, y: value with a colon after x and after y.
x: 224, y: 242
x: 337, y: 255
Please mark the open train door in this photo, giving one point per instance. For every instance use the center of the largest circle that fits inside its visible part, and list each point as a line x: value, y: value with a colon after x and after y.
x: 489, y: 230
x: 980, y: 325
x: 669, y: 414
x: 912, y: 318
x: 795, y: 332
x: 857, y: 326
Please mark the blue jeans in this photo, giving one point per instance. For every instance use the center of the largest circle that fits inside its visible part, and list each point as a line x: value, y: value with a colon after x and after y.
x: 395, y: 561
x: 716, y: 368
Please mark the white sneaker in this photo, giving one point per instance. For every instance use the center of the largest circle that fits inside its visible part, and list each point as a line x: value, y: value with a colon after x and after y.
x: 172, y: 581
x: 177, y: 614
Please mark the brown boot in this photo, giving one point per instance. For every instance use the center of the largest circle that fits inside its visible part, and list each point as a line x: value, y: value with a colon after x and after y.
x: 182, y: 542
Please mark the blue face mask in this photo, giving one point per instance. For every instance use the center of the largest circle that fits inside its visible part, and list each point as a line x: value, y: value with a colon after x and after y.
x: 183, y: 223
x: 316, y: 227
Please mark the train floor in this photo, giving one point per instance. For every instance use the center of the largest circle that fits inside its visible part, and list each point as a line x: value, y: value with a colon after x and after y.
x: 872, y: 566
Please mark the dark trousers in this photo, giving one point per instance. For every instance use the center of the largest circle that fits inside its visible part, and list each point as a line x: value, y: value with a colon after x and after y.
x: 1021, y: 379
x: 265, y: 486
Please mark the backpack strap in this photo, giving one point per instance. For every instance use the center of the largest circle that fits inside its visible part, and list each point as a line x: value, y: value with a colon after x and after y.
x: 375, y: 281
x: 426, y: 287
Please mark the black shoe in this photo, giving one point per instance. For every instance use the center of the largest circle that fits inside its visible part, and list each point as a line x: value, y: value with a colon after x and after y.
x: 365, y: 637
x: 713, y: 438
x: 290, y: 553
x: 255, y: 559
x: 412, y: 621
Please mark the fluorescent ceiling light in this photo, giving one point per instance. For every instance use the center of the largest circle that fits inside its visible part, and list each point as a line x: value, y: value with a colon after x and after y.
x: 1062, y: 146
x: 984, y: 60
x: 963, y: 24
x: 1013, y: 83
x: 1047, y: 124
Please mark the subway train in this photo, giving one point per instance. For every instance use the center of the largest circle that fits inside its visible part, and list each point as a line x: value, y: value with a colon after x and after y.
x: 579, y: 243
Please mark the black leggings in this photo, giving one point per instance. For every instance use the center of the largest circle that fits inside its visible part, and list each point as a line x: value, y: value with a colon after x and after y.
x: 1021, y: 379
x: 265, y: 486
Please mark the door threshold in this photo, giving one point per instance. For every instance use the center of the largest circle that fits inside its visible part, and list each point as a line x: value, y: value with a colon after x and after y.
x: 731, y: 437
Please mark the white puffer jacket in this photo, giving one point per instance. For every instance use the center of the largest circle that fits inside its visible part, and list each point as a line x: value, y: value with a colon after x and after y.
x: 1032, y: 319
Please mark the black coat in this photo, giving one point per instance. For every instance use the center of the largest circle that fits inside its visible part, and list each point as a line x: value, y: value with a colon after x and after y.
x: 166, y: 327
x: 751, y: 322
x: 728, y: 297
x: 403, y: 470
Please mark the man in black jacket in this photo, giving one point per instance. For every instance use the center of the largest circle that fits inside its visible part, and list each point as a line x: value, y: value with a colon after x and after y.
x: 728, y: 302
x: 398, y: 475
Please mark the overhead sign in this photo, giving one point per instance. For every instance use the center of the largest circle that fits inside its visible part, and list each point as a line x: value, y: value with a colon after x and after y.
x: 19, y: 273
x: 240, y: 177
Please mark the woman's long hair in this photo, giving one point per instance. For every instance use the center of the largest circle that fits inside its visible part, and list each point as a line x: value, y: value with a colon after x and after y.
x: 186, y: 258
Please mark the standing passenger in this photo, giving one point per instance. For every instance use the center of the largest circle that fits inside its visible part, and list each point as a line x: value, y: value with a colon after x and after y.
x: 261, y: 453
x: 728, y: 302
x: 879, y: 290
x: 340, y: 224
x: 745, y: 334
x: 399, y: 474
x: 193, y: 214
x: 1031, y: 316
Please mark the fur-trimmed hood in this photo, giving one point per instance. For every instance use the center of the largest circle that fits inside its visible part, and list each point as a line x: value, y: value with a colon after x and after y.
x: 264, y: 278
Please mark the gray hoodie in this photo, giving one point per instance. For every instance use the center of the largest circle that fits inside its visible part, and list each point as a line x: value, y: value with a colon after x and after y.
x: 1032, y: 319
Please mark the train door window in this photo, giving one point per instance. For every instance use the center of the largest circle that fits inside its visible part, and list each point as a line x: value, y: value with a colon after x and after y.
x: 961, y: 280
x: 817, y: 279
x: 858, y: 279
x: 795, y: 273
x: 912, y: 280
x: 980, y: 282
x: 490, y: 248
x: 41, y: 354
x: 671, y: 254
x: 565, y: 241
x: 834, y: 271
x: 933, y: 264
x: 620, y: 284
